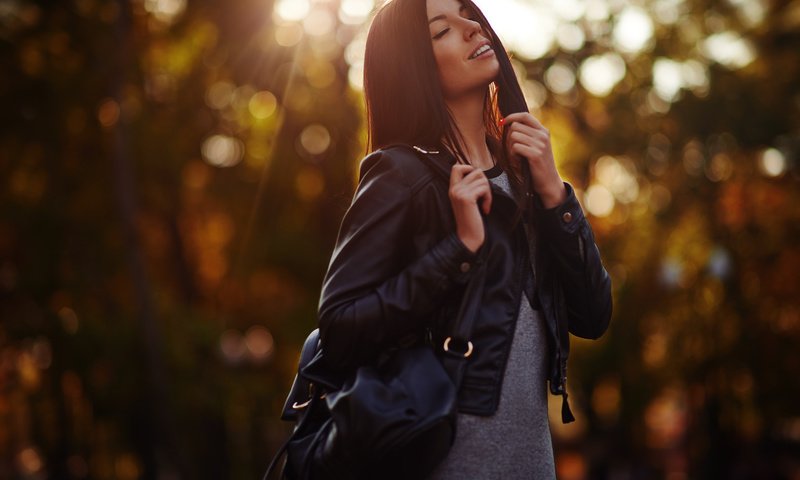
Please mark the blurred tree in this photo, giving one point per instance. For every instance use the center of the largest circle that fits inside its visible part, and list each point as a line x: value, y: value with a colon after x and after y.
x: 174, y: 173
x: 190, y: 131
x: 684, y: 143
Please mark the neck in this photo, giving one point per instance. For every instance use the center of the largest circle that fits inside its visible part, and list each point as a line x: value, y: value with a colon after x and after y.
x: 467, y: 112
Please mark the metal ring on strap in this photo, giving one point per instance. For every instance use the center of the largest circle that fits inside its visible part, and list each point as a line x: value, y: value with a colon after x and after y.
x: 446, y: 347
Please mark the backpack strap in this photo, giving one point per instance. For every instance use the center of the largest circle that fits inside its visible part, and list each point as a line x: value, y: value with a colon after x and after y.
x: 299, y: 393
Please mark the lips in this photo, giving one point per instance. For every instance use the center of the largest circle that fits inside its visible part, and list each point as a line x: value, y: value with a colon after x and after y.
x: 480, y: 47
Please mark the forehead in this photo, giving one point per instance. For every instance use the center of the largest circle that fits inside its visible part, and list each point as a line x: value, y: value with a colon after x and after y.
x: 436, y: 7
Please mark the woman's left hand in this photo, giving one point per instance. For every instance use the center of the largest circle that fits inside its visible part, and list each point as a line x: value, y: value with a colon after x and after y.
x: 529, y: 139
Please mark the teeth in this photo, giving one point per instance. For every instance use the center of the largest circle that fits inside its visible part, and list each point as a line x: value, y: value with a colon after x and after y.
x: 480, y: 51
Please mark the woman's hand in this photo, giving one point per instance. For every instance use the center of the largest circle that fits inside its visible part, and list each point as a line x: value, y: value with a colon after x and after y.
x: 528, y: 138
x: 468, y: 185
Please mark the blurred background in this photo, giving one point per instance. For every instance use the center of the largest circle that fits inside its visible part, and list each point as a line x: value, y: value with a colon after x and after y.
x: 173, y: 174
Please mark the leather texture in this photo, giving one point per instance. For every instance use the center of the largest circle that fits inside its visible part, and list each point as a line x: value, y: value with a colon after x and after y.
x: 406, y: 404
x: 398, y: 269
x: 402, y: 406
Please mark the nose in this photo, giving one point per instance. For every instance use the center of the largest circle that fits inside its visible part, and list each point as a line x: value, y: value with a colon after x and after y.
x: 471, y: 28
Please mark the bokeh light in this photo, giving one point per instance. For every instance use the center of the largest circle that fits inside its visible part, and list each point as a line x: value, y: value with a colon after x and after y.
x: 42, y: 353
x: 570, y: 37
x: 535, y: 93
x: 771, y: 162
x: 668, y: 12
x: 166, y: 11
x: 570, y: 465
x: 606, y: 399
x: 720, y: 168
x: 291, y: 10
x: 108, y: 113
x: 600, y: 73
x: 729, y: 49
x: 529, y: 30
x: 569, y: 10
x: 537, y: 39
x: 262, y: 104
x: 222, y: 151
x: 599, y: 201
x: 220, y: 94
x: 319, y: 22
x: 672, y: 273
x: 127, y: 466
x: 633, y: 30
x: 355, y: 12
x: 315, y: 139
x: 288, y: 35
x: 227, y: 137
x: 69, y: 319
x: 667, y: 78
x: 719, y: 262
x: 665, y: 419
x: 618, y: 175
x: 751, y: 12
x: 233, y: 347
x: 560, y: 77
x: 30, y: 461
x: 259, y: 343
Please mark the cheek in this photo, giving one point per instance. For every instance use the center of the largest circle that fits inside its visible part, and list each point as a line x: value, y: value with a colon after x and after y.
x: 442, y: 57
x: 449, y: 65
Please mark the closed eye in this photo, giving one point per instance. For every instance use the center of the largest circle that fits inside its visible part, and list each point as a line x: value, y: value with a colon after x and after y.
x: 441, y: 34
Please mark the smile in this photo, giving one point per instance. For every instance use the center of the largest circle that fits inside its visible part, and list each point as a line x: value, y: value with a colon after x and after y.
x: 481, y: 51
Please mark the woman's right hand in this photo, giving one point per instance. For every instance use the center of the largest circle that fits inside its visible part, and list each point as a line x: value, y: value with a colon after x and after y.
x: 468, y: 185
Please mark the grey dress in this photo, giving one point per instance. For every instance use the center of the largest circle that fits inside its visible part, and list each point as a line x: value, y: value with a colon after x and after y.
x: 515, y: 442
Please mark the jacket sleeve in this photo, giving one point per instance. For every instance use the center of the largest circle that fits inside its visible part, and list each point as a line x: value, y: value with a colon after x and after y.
x: 576, y: 260
x: 374, y: 292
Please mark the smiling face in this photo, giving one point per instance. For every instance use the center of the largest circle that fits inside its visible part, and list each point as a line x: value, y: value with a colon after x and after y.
x: 464, y: 57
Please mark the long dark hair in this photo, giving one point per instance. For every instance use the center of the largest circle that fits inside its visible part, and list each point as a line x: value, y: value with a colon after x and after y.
x: 404, y: 98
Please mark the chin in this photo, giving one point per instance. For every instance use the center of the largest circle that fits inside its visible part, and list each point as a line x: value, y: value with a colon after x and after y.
x: 492, y: 72
x: 466, y: 85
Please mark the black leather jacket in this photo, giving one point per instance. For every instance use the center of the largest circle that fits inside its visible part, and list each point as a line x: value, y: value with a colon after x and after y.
x: 398, y: 267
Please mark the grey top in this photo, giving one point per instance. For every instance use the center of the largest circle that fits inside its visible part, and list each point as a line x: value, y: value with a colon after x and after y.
x: 515, y: 442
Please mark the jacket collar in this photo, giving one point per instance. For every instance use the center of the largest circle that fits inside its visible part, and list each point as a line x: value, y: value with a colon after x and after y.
x: 443, y: 161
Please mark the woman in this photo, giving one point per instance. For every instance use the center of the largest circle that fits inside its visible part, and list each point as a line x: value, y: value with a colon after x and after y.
x: 437, y: 77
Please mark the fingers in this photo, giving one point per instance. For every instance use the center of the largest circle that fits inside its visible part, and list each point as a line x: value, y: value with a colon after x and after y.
x: 524, y: 130
x: 524, y: 150
x: 521, y: 129
x: 459, y: 171
x: 524, y: 118
x: 468, y: 183
x: 535, y: 139
x: 475, y: 179
x: 464, y: 173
